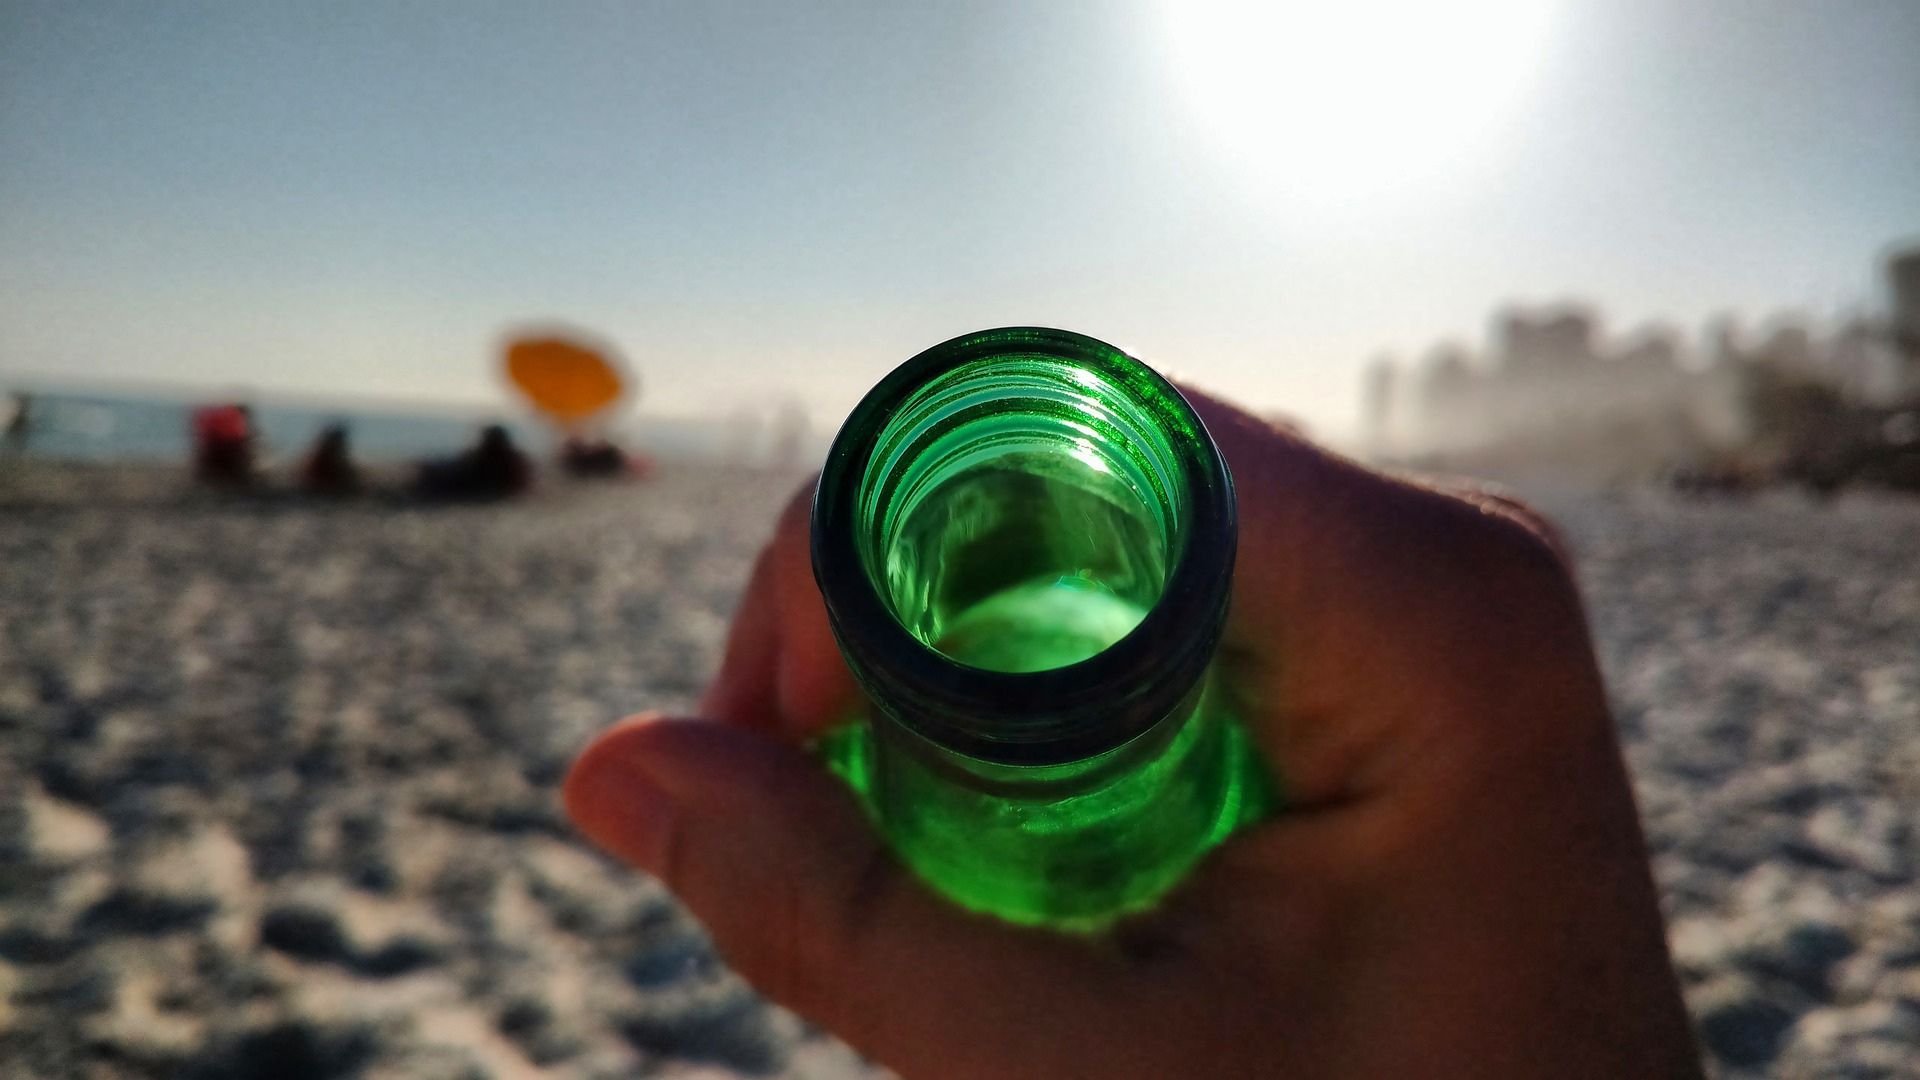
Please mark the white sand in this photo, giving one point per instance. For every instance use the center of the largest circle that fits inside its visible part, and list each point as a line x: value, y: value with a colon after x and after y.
x: 277, y: 780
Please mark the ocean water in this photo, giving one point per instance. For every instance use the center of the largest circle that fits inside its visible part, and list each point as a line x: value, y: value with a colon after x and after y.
x: 82, y: 425
x: 110, y: 427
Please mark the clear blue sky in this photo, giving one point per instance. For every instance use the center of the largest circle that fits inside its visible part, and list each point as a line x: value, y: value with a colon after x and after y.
x: 761, y: 199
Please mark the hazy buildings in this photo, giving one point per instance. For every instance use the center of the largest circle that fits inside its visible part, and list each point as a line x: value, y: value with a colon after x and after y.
x: 1555, y: 384
x: 1903, y: 279
x: 1552, y: 342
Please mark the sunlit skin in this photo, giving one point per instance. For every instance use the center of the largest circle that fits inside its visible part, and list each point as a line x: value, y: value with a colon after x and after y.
x: 1459, y: 889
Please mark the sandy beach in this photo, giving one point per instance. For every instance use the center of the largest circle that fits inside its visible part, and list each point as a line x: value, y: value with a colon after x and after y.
x: 279, y: 778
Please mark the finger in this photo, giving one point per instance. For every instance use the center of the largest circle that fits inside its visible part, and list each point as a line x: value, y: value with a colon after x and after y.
x: 774, y: 858
x: 745, y: 692
x: 1498, y: 500
x: 783, y: 673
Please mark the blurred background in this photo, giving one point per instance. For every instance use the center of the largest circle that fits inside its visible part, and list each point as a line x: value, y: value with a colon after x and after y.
x: 393, y: 395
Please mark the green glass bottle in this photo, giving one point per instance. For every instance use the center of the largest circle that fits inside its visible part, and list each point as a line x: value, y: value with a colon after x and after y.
x: 1025, y: 541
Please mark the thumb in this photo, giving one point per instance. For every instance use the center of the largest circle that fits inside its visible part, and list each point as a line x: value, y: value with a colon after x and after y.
x: 768, y: 850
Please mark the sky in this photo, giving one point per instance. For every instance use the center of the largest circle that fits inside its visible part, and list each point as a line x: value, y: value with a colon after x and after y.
x: 764, y: 202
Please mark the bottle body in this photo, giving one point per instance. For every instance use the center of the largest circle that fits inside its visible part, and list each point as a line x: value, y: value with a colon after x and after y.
x: 1066, y: 846
x: 1024, y: 539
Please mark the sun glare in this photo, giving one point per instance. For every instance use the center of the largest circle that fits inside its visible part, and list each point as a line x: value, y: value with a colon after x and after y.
x: 1331, y: 101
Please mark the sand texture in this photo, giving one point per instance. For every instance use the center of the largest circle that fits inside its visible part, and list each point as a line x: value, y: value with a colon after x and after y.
x: 277, y: 780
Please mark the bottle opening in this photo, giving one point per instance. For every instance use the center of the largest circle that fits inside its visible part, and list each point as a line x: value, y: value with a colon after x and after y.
x: 1024, y: 539
x: 1021, y: 512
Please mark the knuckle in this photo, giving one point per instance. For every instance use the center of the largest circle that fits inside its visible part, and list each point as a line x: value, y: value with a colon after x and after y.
x: 1512, y: 545
x: 1522, y: 590
x: 1539, y: 525
x: 807, y: 940
x: 1525, y: 552
x: 766, y: 944
x: 782, y: 964
x: 1511, y: 519
x: 673, y: 862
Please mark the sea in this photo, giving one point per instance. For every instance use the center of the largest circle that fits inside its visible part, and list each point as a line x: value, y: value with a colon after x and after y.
x: 84, y: 424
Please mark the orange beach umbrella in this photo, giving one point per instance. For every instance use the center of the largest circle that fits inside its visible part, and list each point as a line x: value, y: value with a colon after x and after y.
x: 565, y: 380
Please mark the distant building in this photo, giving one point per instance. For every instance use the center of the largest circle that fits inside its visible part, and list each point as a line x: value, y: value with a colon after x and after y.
x: 1789, y: 350
x: 1557, y: 339
x: 1442, y: 410
x: 1377, y: 401
x: 1903, y: 282
x: 1553, y: 388
x: 1651, y: 351
x: 1723, y: 342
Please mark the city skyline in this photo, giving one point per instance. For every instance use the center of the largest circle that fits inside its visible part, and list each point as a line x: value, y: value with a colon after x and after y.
x: 766, y: 202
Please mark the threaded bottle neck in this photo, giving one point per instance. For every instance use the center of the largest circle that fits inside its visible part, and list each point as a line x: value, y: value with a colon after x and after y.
x: 1024, y: 538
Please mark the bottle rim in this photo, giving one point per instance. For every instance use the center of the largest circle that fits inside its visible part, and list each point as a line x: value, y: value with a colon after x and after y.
x: 1057, y: 715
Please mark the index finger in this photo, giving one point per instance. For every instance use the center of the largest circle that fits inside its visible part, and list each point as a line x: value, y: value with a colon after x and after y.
x: 782, y: 673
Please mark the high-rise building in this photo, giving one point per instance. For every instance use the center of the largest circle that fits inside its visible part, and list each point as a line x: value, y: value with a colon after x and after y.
x: 1555, y: 339
x: 1903, y: 281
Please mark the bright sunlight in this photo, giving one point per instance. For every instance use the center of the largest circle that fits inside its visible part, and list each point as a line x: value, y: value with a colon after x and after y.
x: 1333, y: 101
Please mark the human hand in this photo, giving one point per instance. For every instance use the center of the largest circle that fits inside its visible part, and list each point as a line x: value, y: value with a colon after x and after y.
x: 1458, y: 886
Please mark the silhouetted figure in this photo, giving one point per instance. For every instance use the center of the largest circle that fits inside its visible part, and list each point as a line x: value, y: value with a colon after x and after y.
x: 329, y: 468
x: 1903, y: 323
x: 19, y: 415
x: 493, y: 469
x: 591, y: 456
x: 787, y: 435
x: 1378, y: 401
x: 223, y: 445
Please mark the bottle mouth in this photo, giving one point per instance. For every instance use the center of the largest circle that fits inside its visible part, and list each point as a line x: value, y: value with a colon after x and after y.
x: 1024, y: 539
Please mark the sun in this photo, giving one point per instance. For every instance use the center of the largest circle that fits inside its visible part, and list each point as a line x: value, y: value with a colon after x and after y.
x: 1336, y: 100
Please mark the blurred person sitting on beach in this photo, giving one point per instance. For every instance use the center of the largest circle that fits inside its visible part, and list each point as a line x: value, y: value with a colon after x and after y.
x: 493, y: 469
x: 1459, y: 886
x: 19, y: 425
x: 588, y: 456
x: 329, y: 467
x: 223, y: 445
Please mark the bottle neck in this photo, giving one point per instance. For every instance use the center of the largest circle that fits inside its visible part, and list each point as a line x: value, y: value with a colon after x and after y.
x: 1045, y: 782
x: 1024, y: 539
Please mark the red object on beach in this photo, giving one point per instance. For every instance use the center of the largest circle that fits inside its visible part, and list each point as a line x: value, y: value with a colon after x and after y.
x: 220, y: 423
x: 223, y: 444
